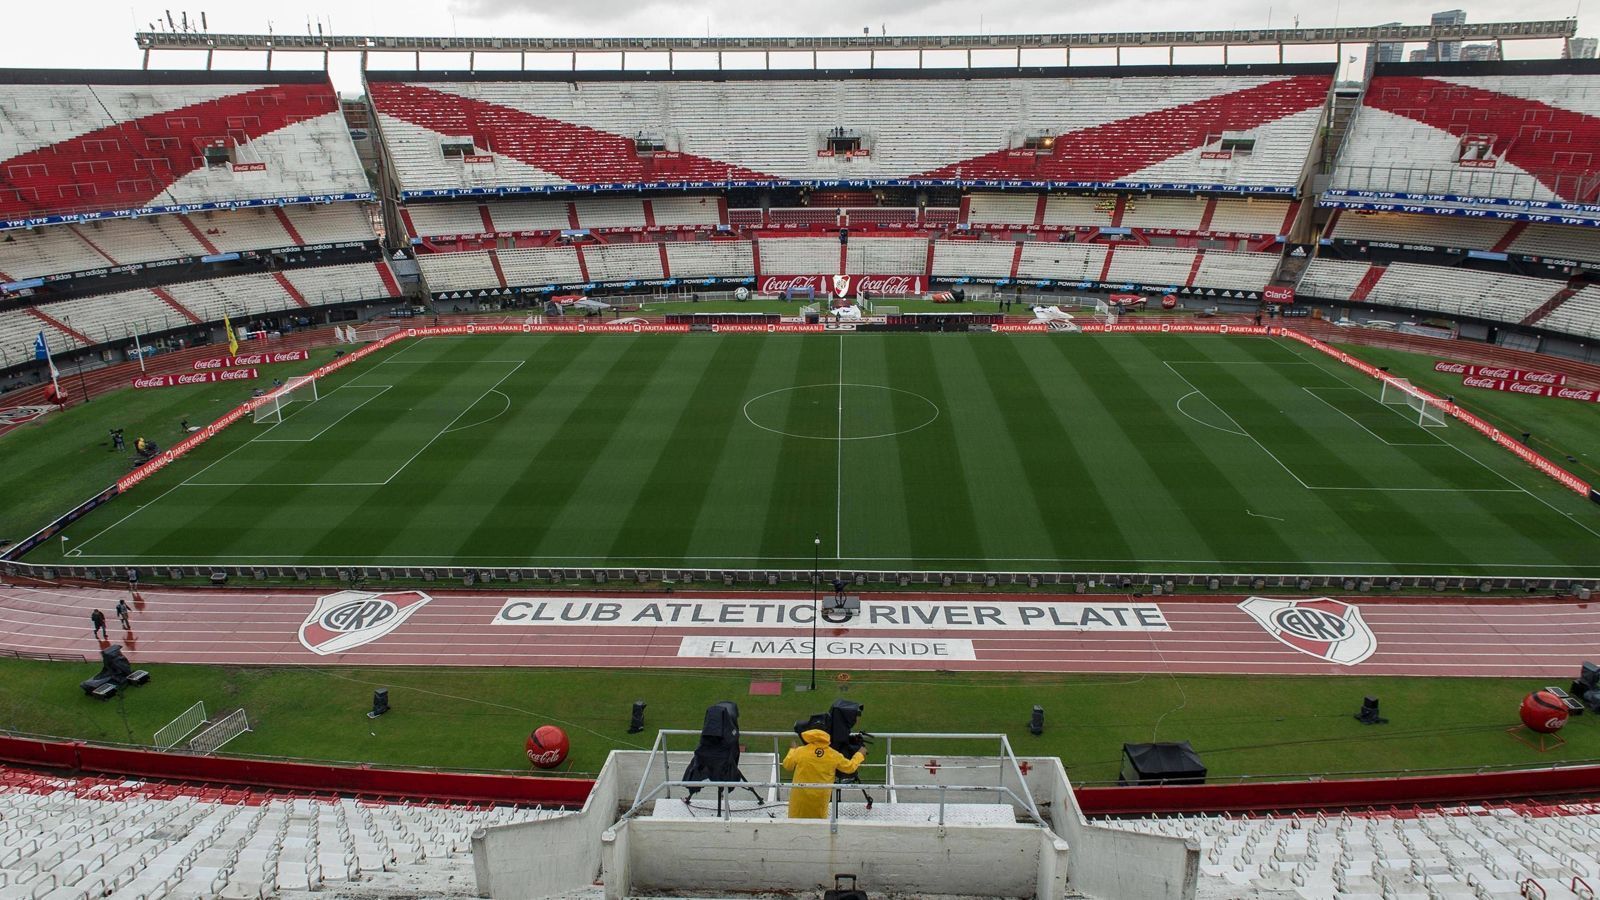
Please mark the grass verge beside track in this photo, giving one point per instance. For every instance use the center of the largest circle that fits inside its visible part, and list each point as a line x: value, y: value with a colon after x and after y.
x: 478, y: 718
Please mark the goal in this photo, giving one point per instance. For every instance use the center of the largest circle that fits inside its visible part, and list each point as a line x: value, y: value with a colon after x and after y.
x: 1400, y: 392
x: 301, y: 389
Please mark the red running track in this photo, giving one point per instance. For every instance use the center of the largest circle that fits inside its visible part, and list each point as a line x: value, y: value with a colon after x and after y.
x: 1544, y: 637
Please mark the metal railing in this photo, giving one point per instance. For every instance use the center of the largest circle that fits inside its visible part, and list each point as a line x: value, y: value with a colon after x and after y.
x: 1499, y: 184
x: 648, y: 792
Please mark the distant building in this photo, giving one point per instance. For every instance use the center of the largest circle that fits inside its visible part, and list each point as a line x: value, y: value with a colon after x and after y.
x: 1421, y: 55
x: 1447, y: 51
x: 1479, y: 52
x: 1388, y: 51
x: 1581, y: 48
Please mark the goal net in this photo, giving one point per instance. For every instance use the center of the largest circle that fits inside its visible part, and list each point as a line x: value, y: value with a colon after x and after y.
x: 368, y: 333
x: 301, y: 389
x: 1401, y: 393
x: 1103, y: 313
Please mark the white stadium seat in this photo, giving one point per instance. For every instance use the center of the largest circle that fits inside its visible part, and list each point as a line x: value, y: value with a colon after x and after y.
x: 98, y: 837
x: 800, y: 256
x: 704, y: 259
x: 1150, y: 266
x: 1048, y: 260
x: 1467, y: 852
x: 974, y: 259
x: 886, y: 256
x: 530, y: 130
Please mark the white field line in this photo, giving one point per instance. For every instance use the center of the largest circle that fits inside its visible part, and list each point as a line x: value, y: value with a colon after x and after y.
x: 1509, y: 569
x: 1313, y: 392
x: 1236, y: 424
x: 381, y: 388
x: 838, y: 478
x: 1504, y: 477
x: 1316, y: 487
x: 464, y: 410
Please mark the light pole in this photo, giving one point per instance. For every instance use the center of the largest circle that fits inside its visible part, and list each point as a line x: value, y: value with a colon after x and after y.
x: 83, y: 387
x: 816, y: 575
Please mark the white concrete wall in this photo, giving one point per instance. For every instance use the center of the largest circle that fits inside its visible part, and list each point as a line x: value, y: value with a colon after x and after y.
x: 1103, y: 865
x: 915, y: 782
x: 710, y: 855
x: 551, y: 856
x: 540, y: 859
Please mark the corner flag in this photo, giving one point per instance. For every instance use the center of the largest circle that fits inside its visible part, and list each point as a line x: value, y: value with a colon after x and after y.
x: 233, y: 342
x: 41, y: 350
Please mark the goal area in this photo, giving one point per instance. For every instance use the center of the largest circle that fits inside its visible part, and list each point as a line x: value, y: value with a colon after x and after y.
x: 1399, y: 392
x: 300, y: 389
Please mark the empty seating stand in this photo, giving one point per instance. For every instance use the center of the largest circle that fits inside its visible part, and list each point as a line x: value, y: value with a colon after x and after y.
x: 93, y: 142
x: 64, y: 249
x: 1529, y: 131
x: 1466, y: 852
x: 98, y: 837
x: 537, y: 131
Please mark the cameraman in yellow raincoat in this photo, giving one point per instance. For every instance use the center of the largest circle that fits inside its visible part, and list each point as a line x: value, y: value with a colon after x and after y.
x: 815, y: 762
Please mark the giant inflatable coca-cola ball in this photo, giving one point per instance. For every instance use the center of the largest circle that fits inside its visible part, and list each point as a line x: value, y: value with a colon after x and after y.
x: 1543, y: 712
x: 547, y: 747
x: 1169, y: 302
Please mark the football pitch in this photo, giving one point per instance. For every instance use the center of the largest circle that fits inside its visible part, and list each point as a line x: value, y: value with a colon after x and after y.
x: 926, y: 452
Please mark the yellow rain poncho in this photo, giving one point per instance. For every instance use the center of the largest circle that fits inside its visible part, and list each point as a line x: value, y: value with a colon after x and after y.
x: 814, y: 762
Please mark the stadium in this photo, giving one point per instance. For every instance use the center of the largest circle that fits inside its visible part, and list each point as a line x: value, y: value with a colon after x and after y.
x: 1133, y: 478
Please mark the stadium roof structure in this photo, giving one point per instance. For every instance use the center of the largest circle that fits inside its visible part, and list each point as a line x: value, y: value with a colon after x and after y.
x: 574, y: 46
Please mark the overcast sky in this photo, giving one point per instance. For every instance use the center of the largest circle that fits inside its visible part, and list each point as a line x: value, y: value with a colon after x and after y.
x: 99, y: 33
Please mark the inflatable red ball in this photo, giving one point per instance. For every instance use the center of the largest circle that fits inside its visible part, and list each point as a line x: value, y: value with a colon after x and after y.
x: 547, y: 747
x: 1169, y: 302
x: 1543, y: 712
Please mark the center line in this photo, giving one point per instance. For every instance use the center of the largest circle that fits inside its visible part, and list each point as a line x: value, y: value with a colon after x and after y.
x: 838, y: 476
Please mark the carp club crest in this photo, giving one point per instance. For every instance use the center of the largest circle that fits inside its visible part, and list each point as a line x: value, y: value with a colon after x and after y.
x: 350, y: 619
x: 1325, y: 628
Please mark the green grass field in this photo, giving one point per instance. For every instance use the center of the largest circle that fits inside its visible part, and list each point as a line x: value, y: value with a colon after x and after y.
x: 478, y: 718
x: 904, y: 451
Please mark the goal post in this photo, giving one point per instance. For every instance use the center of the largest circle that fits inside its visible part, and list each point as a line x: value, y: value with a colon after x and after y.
x: 300, y: 389
x: 1399, y: 392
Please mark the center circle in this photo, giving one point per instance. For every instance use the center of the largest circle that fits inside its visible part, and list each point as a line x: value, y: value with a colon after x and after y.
x: 840, y: 412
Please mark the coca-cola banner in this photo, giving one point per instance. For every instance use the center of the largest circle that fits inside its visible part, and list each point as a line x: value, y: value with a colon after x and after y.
x: 206, y: 433
x: 845, y: 285
x: 1532, y: 388
x: 252, y: 359
x: 1279, y: 293
x: 156, y: 381
x: 1499, y: 372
